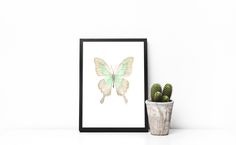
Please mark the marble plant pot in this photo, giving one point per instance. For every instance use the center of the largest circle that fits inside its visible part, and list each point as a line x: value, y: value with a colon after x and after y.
x: 159, y: 116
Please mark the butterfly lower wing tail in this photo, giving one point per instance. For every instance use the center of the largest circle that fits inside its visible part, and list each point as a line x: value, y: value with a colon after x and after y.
x: 126, y: 100
x: 122, y: 86
x: 102, y: 100
x: 105, y: 86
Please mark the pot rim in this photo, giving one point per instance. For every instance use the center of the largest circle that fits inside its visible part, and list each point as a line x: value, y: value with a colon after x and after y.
x: 159, y: 103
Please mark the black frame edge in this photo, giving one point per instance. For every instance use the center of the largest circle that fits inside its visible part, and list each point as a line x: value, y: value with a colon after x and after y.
x: 81, y: 86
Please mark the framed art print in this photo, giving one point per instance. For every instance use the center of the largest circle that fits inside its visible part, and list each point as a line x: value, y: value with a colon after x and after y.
x: 113, y: 85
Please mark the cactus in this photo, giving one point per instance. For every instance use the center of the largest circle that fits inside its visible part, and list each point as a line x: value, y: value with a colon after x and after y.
x: 167, y: 90
x: 165, y: 98
x: 155, y: 88
x: 157, y: 95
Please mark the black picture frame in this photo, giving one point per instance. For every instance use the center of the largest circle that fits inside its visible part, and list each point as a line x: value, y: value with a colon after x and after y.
x: 112, y: 129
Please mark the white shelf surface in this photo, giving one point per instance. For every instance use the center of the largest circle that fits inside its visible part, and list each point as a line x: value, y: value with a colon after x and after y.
x: 74, y: 137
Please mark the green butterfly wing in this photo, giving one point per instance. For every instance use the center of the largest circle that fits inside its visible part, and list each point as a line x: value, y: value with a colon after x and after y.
x: 124, y: 70
x: 102, y: 69
x: 125, y: 67
x: 105, y: 85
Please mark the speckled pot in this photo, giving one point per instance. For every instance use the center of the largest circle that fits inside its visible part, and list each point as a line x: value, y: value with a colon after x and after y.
x: 159, y: 116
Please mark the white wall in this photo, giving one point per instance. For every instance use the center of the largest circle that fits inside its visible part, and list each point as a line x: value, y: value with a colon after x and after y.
x: 191, y: 45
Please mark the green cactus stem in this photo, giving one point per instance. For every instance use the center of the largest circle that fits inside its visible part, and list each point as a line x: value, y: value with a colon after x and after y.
x: 167, y: 90
x: 155, y: 88
x: 157, y: 97
x: 165, y: 98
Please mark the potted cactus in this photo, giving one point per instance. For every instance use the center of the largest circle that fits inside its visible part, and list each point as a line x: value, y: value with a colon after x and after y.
x: 159, y: 109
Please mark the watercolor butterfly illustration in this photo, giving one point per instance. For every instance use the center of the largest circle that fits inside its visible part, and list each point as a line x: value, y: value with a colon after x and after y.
x: 113, y: 79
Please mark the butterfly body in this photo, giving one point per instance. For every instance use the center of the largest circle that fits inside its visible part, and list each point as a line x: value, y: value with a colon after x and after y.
x: 113, y: 80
